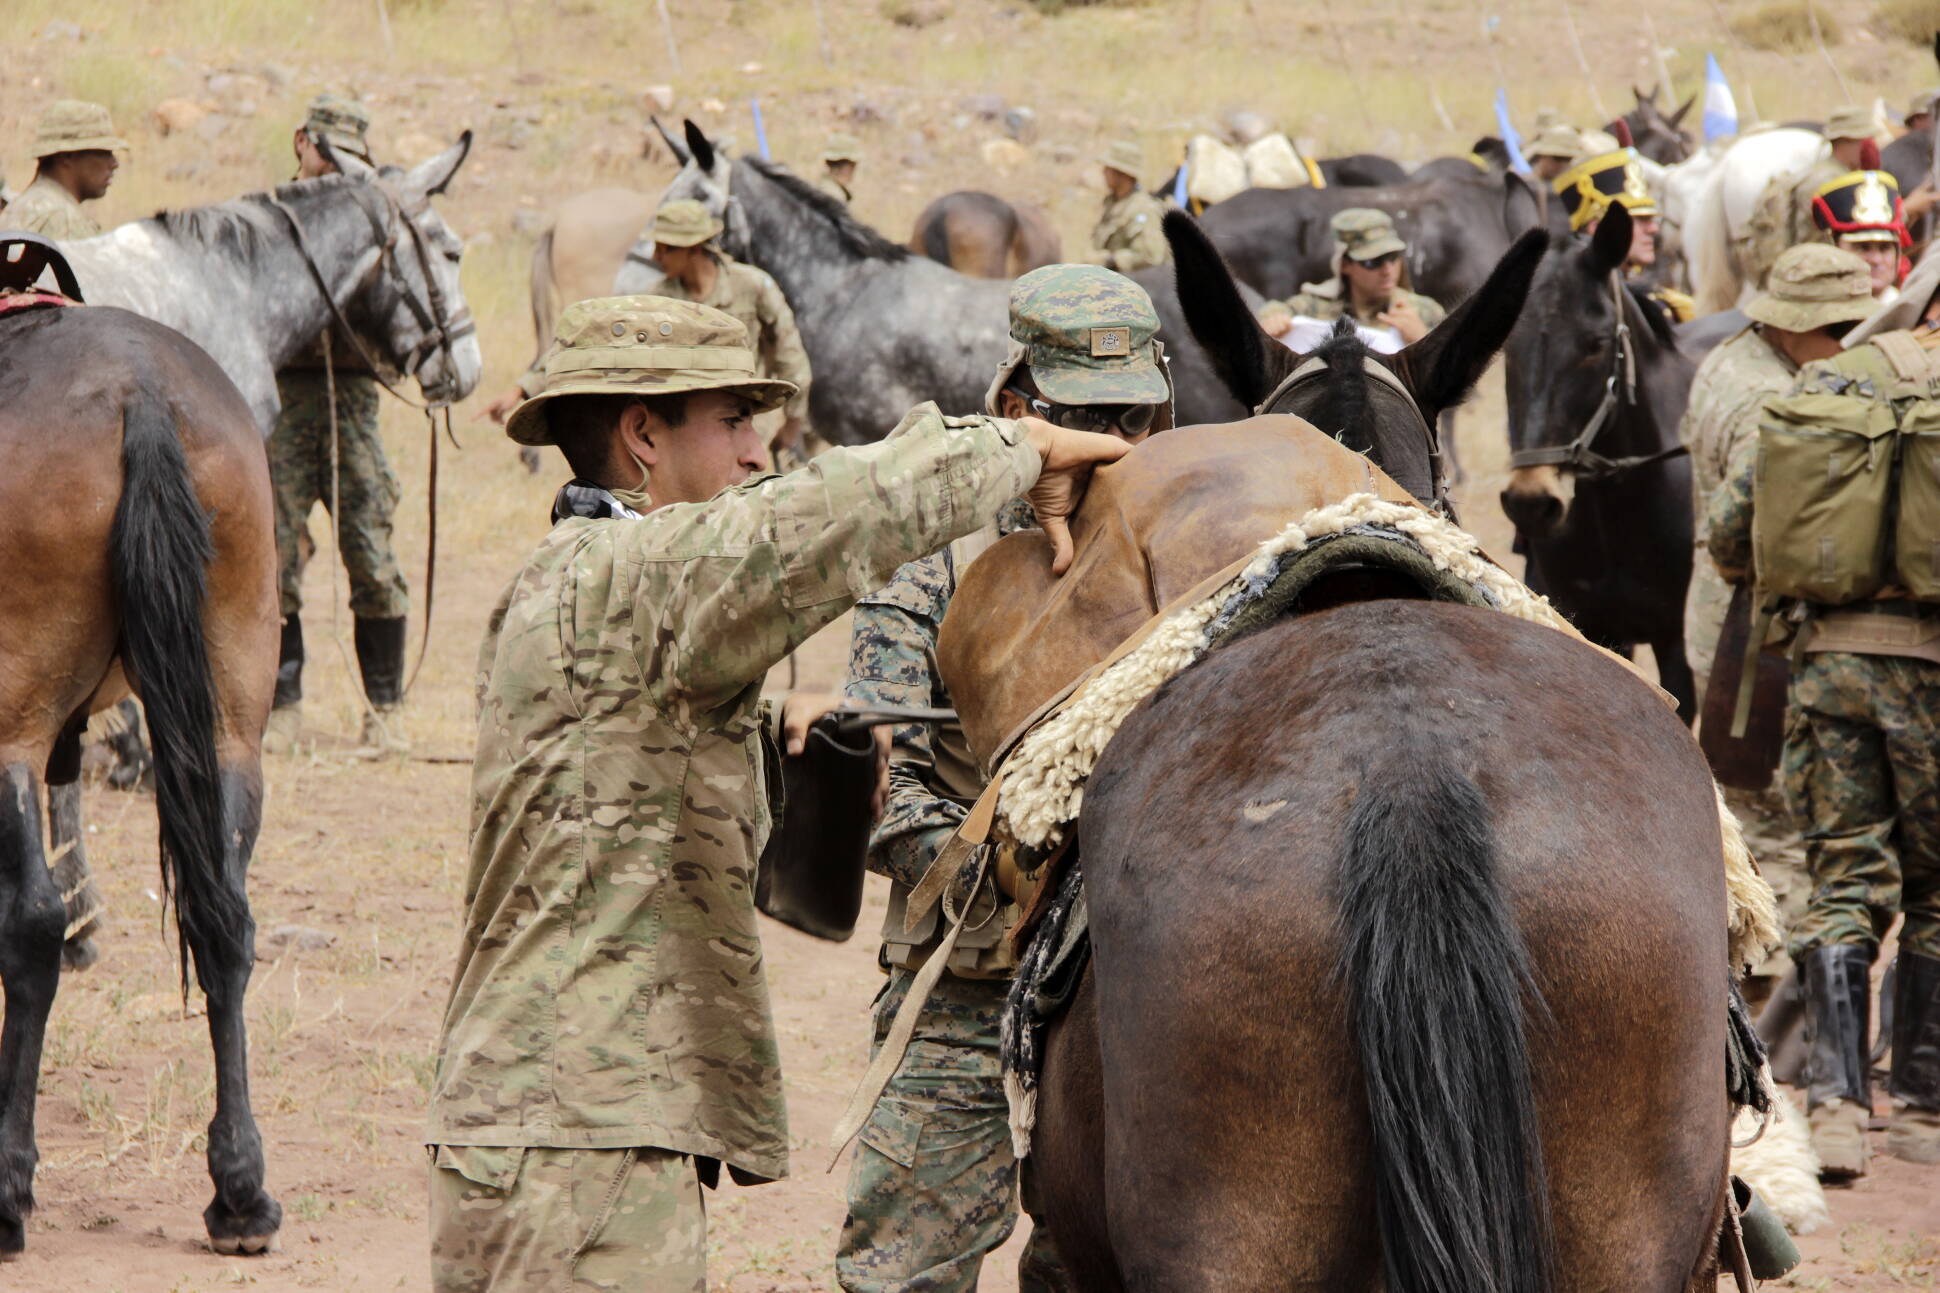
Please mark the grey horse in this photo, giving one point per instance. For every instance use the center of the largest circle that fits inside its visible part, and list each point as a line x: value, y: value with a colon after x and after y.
x: 231, y: 276
x: 885, y: 329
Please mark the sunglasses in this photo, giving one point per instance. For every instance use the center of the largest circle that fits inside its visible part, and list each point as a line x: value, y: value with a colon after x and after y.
x: 1381, y: 261
x: 1132, y: 419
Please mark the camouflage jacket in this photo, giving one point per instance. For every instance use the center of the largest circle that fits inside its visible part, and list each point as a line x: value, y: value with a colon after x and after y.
x: 48, y: 209
x: 610, y: 988
x: 1328, y: 301
x: 834, y: 188
x: 1129, y: 236
x: 1730, y: 389
x: 756, y: 301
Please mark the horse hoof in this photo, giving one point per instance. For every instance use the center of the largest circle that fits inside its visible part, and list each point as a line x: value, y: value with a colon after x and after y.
x: 80, y: 953
x: 243, y: 1245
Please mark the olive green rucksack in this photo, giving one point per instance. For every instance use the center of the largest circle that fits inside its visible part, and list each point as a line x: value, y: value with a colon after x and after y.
x: 1846, y: 494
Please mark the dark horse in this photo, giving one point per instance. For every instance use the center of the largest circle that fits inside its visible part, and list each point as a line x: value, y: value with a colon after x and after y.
x: 983, y: 235
x: 1600, y: 490
x: 1386, y: 988
x: 137, y: 500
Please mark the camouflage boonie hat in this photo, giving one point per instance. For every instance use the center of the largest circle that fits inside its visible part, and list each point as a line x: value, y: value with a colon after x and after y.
x: 1126, y: 156
x: 643, y: 345
x: 1813, y: 285
x: 684, y: 223
x: 342, y: 123
x: 1555, y: 140
x: 1849, y: 122
x: 842, y: 148
x: 1362, y: 233
x: 1086, y: 334
x: 74, y: 126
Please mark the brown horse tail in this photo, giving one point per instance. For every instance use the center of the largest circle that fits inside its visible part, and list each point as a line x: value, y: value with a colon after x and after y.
x: 161, y: 549
x: 1437, y: 979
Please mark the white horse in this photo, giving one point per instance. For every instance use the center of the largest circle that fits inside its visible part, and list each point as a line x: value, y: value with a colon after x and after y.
x: 1723, y: 205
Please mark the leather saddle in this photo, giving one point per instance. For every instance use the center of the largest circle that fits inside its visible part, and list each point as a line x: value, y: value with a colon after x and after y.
x: 1175, y: 510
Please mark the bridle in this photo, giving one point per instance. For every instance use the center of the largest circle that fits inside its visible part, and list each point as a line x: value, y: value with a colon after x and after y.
x: 1619, y: 391
x: 1315, y: 367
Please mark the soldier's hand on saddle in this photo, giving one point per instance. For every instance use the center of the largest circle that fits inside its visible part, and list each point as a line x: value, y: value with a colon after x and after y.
x: 803, y: 709
x: 1276, y: 321
x: 1402, y: 316
x: 1068, y: 458
x: 501, y: 408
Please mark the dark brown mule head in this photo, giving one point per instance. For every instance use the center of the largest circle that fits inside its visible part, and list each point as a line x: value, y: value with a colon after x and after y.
x: 1437, y: 372
x: 1658, y: 135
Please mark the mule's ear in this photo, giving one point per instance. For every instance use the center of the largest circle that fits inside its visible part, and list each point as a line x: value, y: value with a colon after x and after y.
x: 699, y: 147
x: 1218, y: 316
x: 1443, y: 366
x: 431, y: 176
x: 1610, y: 244
x: 1645, y: 100
x: 1522, y: 206
x: 674, y: 146
x: 1676, y: 119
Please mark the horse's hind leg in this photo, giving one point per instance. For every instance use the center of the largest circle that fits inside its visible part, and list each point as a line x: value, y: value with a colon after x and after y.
x: 31, y: 924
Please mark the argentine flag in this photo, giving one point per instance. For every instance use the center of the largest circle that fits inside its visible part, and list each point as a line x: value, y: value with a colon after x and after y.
x: 1506, y: 128
x: 1720, y: 109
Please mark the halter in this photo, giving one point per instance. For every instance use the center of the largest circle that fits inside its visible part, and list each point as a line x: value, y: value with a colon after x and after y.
x: 1619, y: 390
x: 1315, y: 367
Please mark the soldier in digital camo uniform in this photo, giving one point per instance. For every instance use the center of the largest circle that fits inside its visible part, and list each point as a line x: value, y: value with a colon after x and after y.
x: 607, y: 1044
x: 365, y: 491
x: 933, y: 1186
x: 1796, y: 320
x: 75, y: 162
x: 1128, y: 236
x: 1861, y: 765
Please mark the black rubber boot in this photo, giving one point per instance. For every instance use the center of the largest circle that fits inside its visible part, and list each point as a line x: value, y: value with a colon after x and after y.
x: 380, y: 657
x: 1914, y: 1131
x: 289, y: 663
x: 1838, y: 1015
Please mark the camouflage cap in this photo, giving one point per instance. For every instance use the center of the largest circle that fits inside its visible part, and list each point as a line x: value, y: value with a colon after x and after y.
x: 1811, y: 286
x: 1555, y: 140
x: 842, y: 148
x: 75, y: 126
x: 1086, y: 334
x: 643, y: 345
x: 1126, y: 156
x: 1362, y: 233
x: 342, y: 123
x: 1849, y: 122
x: 684, y: 222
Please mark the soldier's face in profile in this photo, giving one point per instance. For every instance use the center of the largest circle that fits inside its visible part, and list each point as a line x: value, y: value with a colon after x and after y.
x: 93, y: 171
x: 1643, y: 240
x: 714, y: 447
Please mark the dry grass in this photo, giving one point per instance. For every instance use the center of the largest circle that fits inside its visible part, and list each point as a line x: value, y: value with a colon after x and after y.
x: 1786, y: 26
x: 1914, y: 21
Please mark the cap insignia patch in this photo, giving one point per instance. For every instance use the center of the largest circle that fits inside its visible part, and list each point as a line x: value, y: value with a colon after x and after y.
x: 1107, y: 342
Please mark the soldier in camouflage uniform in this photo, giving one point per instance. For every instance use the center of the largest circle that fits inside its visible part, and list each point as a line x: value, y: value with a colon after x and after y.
x: 1782, y: 216
x: 607, y: 1044
x: 1795, y: 321
x: 1129, y: 235
x: 75, y: 151
x: 933, y: 1186
x: 1370, y: 270
x: 693, y: 269
x: 365, y: 492
x: 839, y: 161
x: 1862, y: 775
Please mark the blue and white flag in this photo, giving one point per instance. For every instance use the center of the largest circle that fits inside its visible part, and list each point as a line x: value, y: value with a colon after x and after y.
x: 1179, y: 183
x: 760, y: 131
x: 1720, y: 109
x: 1507, y: 129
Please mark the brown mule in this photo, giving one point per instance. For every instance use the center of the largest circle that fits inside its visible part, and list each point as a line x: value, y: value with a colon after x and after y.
x: 983, y: 235
x: 140, y: 555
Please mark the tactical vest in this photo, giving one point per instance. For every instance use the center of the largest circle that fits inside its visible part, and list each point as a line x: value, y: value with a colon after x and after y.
x: 1846, y: 491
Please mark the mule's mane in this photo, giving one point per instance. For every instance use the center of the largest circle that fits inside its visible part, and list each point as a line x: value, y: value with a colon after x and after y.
x: 857, y: 238
x: 248, y: 223
x: 1344, y: 410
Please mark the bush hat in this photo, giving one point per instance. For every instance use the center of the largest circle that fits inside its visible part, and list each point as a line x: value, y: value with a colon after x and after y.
x: 1849, y: 122
x: 1125, y: 156
x: 1811, y: 286
x: 684, y: 223
x: 643, y: 345
x: 76, y: 126
x: 842, y: 148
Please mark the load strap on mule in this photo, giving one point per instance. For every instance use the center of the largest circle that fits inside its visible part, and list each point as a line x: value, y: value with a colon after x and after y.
x: 1033, y: 798
x: 24, y: 257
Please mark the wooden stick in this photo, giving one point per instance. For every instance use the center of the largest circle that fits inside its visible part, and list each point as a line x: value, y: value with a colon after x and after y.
x: 667, y: 23
x: 1750, y: 115
x: 1666, y: 84
x: 384, y: 25
x: 1589, y: 77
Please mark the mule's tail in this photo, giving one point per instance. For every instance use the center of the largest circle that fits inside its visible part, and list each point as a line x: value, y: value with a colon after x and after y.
x: 161, y: 552
x: 1437, y: 980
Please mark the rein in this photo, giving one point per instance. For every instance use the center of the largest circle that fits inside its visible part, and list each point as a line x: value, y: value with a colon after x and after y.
x: 1315, y: 367
x: 441, y: 331
x: 1619, y: 391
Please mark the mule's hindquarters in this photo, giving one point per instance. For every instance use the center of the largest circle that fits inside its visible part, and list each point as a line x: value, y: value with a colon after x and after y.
x: 1234, y: 1148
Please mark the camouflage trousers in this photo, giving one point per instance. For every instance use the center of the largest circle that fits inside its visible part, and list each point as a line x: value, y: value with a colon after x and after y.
x: 1862, y: 775
x: 367, y: 493
x: 566, y: 1221
x: 934, y: 1183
